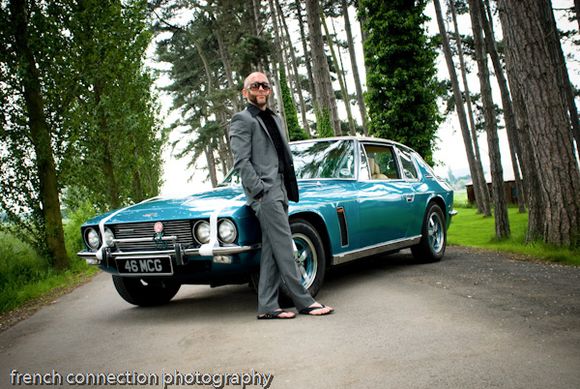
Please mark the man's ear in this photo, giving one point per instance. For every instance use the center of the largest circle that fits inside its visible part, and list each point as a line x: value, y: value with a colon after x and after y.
x: 245, y: 93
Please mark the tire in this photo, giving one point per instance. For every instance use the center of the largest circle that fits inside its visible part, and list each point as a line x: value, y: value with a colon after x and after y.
x: 433, y: 242
x: 310, y: 257
x: 143, y: 293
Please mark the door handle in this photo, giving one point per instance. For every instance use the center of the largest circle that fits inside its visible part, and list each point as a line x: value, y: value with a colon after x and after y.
x: 409, y: 197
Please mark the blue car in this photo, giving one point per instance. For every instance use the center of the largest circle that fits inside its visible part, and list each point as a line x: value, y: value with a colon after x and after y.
x: 358, y: 197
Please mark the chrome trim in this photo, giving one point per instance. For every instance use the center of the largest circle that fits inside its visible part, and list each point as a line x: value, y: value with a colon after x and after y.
x: 375, y: 249
x: 151, y: 239
x: 453, y: 212
x: 229, y: 250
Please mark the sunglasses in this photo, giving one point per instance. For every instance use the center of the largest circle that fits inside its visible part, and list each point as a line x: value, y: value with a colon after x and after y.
x: 256, y: 86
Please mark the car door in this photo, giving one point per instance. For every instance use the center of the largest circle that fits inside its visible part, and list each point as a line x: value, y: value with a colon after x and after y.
x: 385, y: 198
x: 417, y: 191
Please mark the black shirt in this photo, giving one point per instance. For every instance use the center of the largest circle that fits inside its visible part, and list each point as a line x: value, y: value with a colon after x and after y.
x: 272, y: 128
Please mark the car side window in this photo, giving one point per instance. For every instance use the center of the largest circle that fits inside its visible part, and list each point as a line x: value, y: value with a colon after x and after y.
x: 363, y: 174
x: 409, y: 169
x: 381, y: 162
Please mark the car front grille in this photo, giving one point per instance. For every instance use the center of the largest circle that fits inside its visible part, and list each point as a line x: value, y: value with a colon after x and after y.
x: 179, y: 228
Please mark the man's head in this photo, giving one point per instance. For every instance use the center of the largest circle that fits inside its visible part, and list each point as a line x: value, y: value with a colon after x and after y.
x: 257, y: 89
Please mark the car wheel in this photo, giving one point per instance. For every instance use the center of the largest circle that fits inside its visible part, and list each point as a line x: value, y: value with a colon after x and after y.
x: 148, y: 293
x: 431, y: 248
x: 310, y: 256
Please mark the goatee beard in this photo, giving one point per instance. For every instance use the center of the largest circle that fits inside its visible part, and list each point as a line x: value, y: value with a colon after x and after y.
x: 254, y: 100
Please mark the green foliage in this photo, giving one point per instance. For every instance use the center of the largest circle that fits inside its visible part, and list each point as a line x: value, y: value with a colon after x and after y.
x: 401, y: 73
x: 323, y: 123
x: 471, y: 229
x: 25, y: 275
x: 98, y: 105
x: 294, y: 129
x: 208, y: 58
x: 117, y: 142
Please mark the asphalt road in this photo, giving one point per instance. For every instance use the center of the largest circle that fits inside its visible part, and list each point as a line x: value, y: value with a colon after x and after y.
x: 473, y: 320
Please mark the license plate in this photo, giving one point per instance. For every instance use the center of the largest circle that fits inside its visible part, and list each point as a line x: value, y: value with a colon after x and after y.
x: 145, y: 266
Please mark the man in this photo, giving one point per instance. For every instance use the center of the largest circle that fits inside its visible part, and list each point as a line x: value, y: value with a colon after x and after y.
x: 263, y: 160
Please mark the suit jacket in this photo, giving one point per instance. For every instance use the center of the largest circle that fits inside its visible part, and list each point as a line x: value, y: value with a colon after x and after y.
x: 255, y: 156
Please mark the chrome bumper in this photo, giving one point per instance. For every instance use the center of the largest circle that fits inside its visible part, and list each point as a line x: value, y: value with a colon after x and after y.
x: 93, y: 259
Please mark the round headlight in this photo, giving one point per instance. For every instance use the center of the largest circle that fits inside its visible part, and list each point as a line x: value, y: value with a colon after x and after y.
x: 92, y: 238
x: 201, y: 232
x: 227, y: 231
x: 109, y: 237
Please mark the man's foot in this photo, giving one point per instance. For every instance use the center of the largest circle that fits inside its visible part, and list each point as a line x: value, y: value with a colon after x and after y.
x: 317, y: 309
x: 277, y: 314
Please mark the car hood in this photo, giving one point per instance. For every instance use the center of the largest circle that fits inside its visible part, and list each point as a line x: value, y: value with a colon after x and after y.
x: 226, y: 200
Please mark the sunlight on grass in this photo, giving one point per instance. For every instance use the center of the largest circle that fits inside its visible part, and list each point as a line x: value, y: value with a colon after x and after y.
x: 473, y: 230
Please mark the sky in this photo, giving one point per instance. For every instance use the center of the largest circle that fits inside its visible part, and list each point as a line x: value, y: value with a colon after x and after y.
x: 449, y: 153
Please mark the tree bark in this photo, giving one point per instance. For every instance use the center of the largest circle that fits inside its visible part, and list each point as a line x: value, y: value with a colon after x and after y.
x: 325, y: 100
x: 340, y: 76
x: 211, y: 166
x: 480, y: 190
x: 560, y: 62
x: 527, y: 25
x: 458, y: 101
x: 502, y: 227
x: 577, y: 9
x: 510, y: 121
x: 278, y: 63
x: 307, y: 59
x: 355, y: 73
x: 296, y: 76
x: 256, y: 5
x: 40, y: 135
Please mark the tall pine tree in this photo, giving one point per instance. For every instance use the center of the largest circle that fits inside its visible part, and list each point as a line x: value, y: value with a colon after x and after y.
x: 401, y: 82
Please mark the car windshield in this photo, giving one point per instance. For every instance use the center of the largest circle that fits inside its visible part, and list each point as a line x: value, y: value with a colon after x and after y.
x: 323, y: 159
x: 316, y: 159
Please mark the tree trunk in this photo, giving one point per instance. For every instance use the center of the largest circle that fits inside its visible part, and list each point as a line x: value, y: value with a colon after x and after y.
x: 325, y: 100
x: 458, y: 100
x: 529, y: 162
x: 359, y: 93
x: 256, y: 5
x: 527, y: 25
x: 211, y: 166
x: 296, y: 75
x: 340, y: 76
x: 307, y: 59
x: 510, y: 121
x: 227, y: 65
x: 107, y: 162
x: 40, y: 137
x: 502, y: 227
x: 560, y: 62
x: 351, y: 121
x: 577, y: 9
x: 480, y: 190
x: 279, y: 61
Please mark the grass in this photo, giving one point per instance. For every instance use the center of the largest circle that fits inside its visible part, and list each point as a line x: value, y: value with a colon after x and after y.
x: 26, y: 276
x: 473, y: 230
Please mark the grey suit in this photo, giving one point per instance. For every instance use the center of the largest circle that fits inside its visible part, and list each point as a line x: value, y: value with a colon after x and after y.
x: 267, y: 192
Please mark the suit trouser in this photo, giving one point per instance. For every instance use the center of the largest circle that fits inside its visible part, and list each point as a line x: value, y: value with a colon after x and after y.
x: 277, y: 262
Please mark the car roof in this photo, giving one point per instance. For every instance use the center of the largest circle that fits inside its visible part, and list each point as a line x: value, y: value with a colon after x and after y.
x: 355, y: 138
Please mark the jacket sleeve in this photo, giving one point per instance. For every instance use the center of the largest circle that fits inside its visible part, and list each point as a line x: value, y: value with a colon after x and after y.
x: 241, y: 144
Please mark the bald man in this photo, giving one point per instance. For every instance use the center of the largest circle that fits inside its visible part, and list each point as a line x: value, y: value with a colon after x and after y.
x: 263, y: 160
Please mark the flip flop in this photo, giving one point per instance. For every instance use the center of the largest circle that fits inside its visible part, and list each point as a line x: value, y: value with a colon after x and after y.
x: 308, y: 310
x: 274, y: 315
